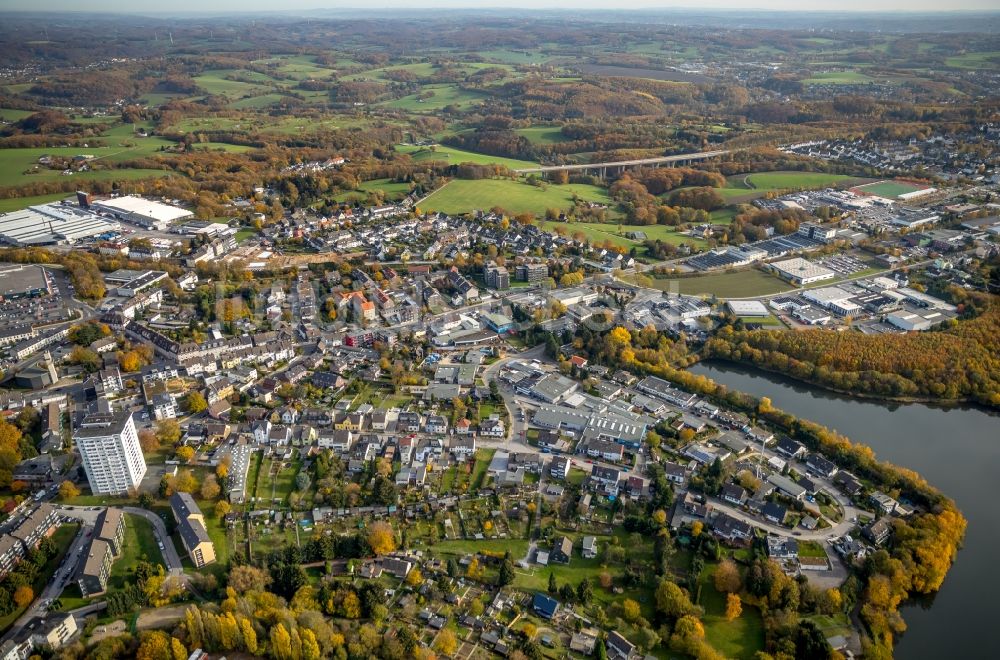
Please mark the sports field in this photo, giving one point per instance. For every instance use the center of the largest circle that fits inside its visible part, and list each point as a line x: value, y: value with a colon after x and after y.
x: 456, y: 156
x: 463, y: 196
x: 889, y: 189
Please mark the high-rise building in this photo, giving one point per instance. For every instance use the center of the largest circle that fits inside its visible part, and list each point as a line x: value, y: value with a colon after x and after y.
x: 112, y: 457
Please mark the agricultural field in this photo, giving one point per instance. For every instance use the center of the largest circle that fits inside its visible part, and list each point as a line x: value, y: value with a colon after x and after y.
x: 457, y: 156
x: 463, y: 196
x: 17, y: 203
x: 838, y: 78
x: 543, y: 134
x: 600, y: 232
x: 436, y: 97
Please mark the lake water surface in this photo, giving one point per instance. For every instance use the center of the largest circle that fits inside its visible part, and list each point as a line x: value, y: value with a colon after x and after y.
x: 958, y: 451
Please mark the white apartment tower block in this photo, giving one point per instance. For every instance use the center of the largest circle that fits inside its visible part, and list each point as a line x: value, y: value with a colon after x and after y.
x: 112, y: 457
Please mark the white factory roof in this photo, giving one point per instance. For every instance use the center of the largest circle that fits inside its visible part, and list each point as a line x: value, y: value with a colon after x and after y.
x: 51, y: 223
x: 802, y: 268
x: 145, y: 207
x: 827, y: 294
x: 748, y: 308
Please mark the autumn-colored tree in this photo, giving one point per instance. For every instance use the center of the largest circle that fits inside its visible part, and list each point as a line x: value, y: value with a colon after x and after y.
x: 222, y: 509
x: 23, y: 595
x: 168, y: 431
x: 530, y: 630
x: 185, y: 454
x: 177, y: 649
x: 350, y: 606
x: 631, y: 611
x: 155, y: 645
x: 381, y: 538
x: 673, y: 601
x: 445, y: 644
x: 281, y: 642
x: 696, y: 528
x: 185, y: 482
x: 734, y: 607
x: 68, y: 490
x: 248, y: 578
x: 210, y: 488
x: 129, y: 361
x: 414, y: 578
x: 18, y: 486
x: 148, y: 440
x: 222, y: 469
x: 474, y: 570
x: 727, y: 577
x: 195, y: 402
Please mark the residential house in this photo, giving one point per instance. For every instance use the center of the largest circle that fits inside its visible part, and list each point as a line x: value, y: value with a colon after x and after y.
x: 562, y: 551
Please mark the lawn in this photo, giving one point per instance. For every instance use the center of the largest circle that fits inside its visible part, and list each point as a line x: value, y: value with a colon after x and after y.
x: 736, y: 284
x: 599, y: 232
x: 795, y: 180
x: 463, y: 196
x: 14, y: 163
x: 483, y: 458
x: 17, y: 203
x: 11, y: 115
x: 139, y: 545
x: 244, y: 234
x: 543, y: 134
x: 456, y: 156
x: 741, y: 638
x: 222, y: 146
x: 391, y: 189
x: 460, y: 548
x: 440, y: 97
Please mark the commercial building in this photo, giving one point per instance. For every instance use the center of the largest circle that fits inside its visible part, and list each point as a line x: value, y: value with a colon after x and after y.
x: 23, y: 281
x: 52, y: 224
x: 834, y: 299
x: 801, y: 271
x: 191, y: 526
x: 747, y: 308
x: 143, y: 212
x: 112, y: 457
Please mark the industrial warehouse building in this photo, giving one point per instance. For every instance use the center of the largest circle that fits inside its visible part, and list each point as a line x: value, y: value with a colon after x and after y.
x: 801, y: 271
x: 143, y: 212
x: 52, y: 224
x: 747, y: 308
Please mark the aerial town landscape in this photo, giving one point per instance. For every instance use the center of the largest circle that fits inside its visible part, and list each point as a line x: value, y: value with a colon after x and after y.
x: 414, y: 333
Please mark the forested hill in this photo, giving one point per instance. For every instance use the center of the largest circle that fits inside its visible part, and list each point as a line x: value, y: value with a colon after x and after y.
x: 962, y: 362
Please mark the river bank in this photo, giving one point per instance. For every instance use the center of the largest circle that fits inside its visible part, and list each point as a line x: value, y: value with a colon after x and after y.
x: 956, y: 450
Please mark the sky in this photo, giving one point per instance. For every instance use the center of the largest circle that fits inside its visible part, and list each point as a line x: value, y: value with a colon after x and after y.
x: 218, y: 6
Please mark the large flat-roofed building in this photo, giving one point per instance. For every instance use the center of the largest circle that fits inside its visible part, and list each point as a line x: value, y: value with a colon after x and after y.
x: 52, y: 224
x: 112, y: 457
x: 834, y: 299
x: 131, y: 282
x: 24, y: 281
x: 801, y: 271
x: 96, y: 569
x: 747, y: 308
x: 191, y: 527
x: 143, y: 212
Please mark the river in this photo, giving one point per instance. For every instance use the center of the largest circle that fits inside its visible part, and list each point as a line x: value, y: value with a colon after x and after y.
x: 958, y: 451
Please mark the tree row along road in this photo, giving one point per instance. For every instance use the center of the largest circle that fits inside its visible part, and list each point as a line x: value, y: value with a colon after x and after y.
x: 701, y: 155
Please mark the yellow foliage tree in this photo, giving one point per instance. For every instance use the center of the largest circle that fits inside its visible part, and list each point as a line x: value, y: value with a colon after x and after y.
x: 734, y: 607
x: 445, y: 644
x: 381, y: 538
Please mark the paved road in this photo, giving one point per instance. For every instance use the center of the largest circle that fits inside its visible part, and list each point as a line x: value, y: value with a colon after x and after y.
x: 170, y: 556
x: 88, y: 515
x: 63, y: 575
x: 701, y: 155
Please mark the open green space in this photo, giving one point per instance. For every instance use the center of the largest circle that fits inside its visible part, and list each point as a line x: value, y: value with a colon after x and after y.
x: 463, y: 196
x: 794, y: 180
x: 457, y: 156
x: 19, y: 166
x: 16, y: 203
x: 741, y: 638
x: 598, y: 232
x: 734, y: 284
x: 435, y: 97
x: 984, y: 60
x: 11, y: 115
x: 889, y: 189
x: 222, y: 146
x: 543, y: 134
x: 138, y: 545
x: 216, y: 83
x: 838, y: 78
